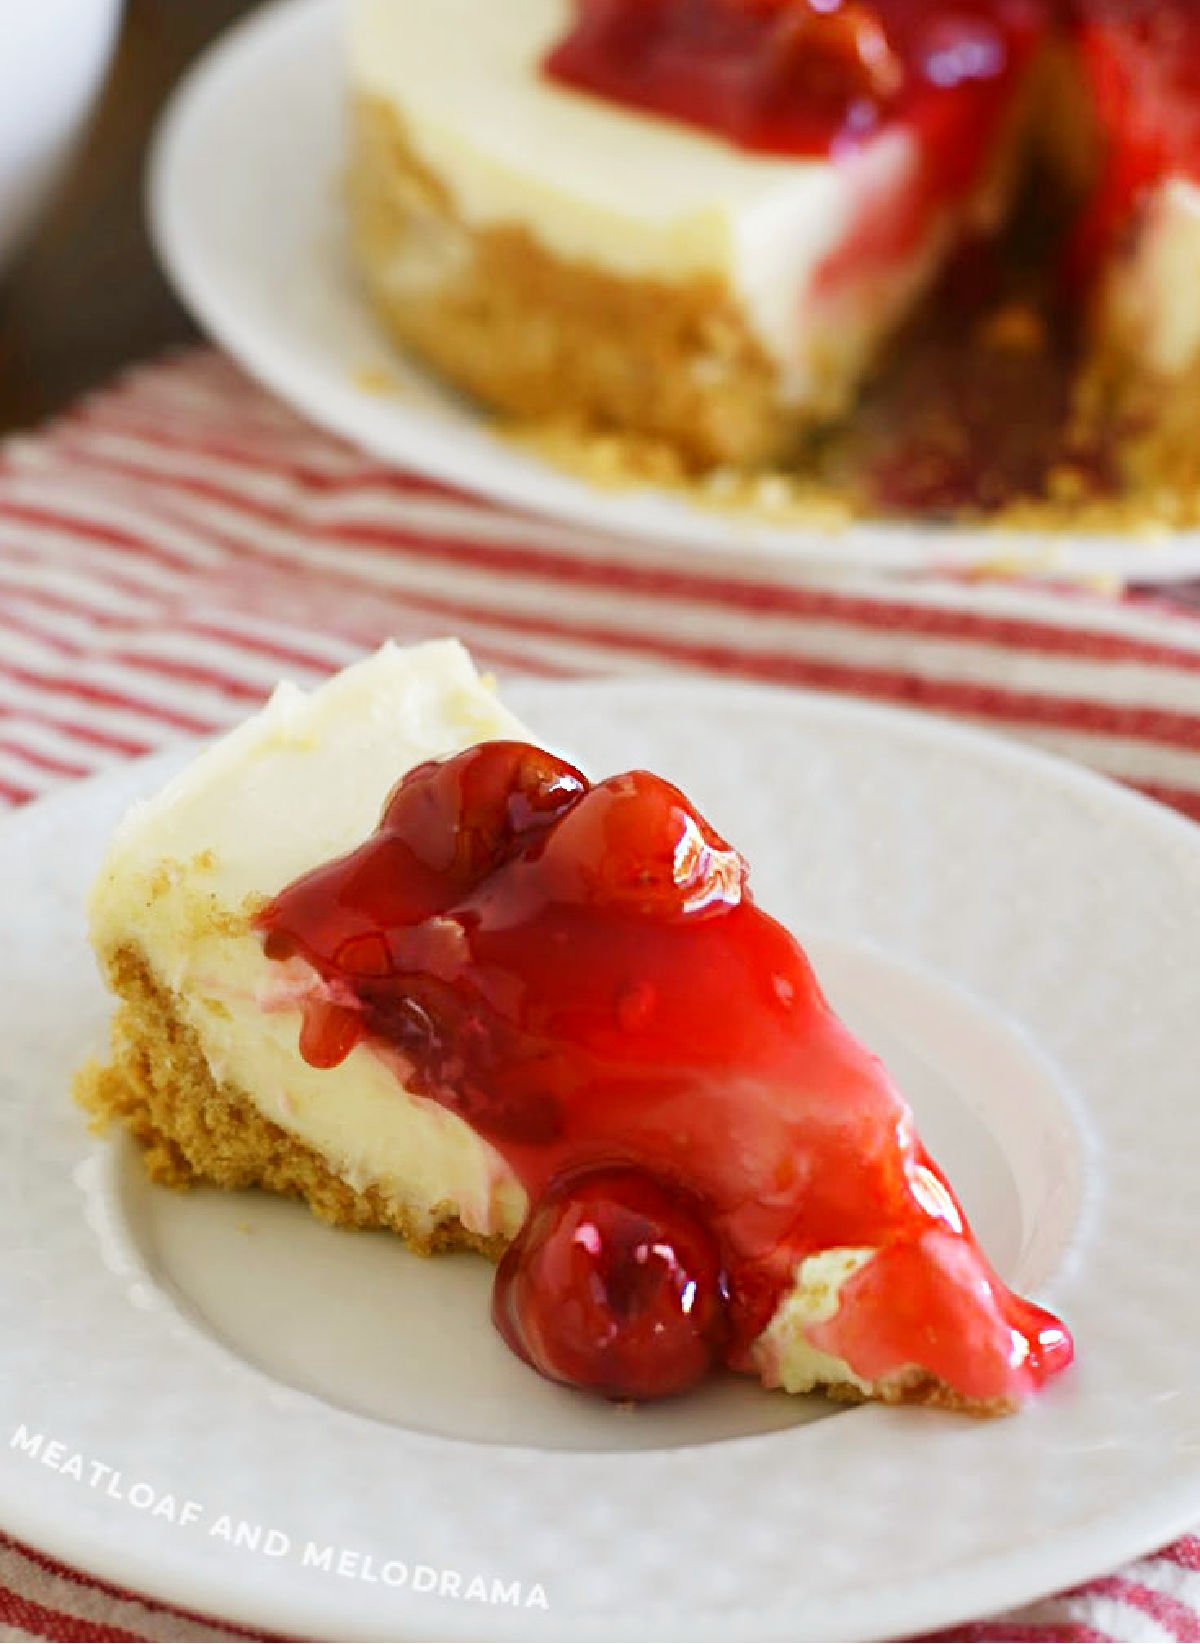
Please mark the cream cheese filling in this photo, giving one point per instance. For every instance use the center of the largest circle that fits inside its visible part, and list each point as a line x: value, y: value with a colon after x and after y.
x: 360, y: 1118
x: 302, y: 782
x: 783, y: 1354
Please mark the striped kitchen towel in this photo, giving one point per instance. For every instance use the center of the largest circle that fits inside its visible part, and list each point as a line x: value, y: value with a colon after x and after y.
x: 175, y: 544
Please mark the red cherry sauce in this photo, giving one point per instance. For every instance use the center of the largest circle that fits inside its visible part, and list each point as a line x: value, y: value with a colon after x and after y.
x: 1141, y: 60
x: 798, y: 77
x: 581, y: 974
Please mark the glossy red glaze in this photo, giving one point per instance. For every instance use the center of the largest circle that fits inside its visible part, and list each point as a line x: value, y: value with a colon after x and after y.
x: 581, y: 974
x: 794, y: 77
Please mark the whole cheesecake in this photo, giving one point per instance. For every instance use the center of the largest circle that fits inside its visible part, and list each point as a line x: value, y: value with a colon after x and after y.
x: 551, y: 249
x: 705, y: 221
x: 378, y: 950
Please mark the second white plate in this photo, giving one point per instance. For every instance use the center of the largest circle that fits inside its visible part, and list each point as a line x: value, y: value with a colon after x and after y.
x: 1020, y: 940
x: 245, y: 207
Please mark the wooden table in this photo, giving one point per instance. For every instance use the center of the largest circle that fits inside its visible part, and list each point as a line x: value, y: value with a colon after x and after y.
x: 86, y: 296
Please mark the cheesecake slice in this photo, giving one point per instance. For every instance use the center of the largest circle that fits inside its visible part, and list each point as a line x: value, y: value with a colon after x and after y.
x: 588, y: 210
x: 378, y: 950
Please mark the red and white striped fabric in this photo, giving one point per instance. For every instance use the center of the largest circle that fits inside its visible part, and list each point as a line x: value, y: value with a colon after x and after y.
x: 174, y: 545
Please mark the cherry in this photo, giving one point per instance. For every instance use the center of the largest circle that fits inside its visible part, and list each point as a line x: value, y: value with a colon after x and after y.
x: 464, y: 816
x: 803, y: 76
x: 830, y: 58
x: 635, y: 843
x: 615, y: 1285
x: 446, y: 826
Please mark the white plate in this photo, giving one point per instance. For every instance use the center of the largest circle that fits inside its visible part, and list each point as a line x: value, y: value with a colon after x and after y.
x: 1021, y: 940
x: 246, y: 214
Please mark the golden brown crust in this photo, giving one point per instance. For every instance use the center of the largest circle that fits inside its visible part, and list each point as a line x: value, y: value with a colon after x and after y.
x: 916, y: 1387
x: 1156, y: 420
x: 503, y: 318
x: 191, y: 1129
x: 1149, y: 424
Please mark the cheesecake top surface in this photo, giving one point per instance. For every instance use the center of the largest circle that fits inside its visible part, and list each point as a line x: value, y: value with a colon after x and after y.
x: 302, y: 780
x: 513, y: 146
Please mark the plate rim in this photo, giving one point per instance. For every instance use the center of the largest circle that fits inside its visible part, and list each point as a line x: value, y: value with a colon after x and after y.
x: 925, y: 724
x: 997, y: 1581
x: 322, y: 390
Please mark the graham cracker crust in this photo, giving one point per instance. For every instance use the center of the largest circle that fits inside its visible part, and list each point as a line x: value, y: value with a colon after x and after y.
x: 916, y: 1387
x: 190, y: 1129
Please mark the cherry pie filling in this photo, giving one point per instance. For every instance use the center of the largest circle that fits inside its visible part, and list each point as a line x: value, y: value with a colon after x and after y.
x: 820, y: 78
x: 581, y: 974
